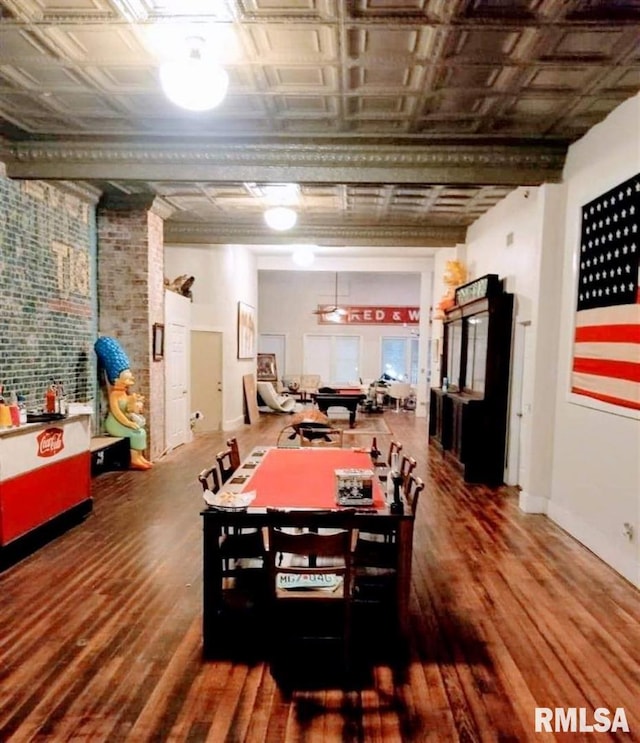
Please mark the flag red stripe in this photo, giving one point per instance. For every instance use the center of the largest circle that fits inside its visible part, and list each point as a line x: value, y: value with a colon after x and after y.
x: 609, y: 333
x: 603, y: 368
x: 607, y: 398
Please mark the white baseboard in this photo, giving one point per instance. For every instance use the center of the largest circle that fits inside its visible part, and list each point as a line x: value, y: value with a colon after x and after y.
x: 598, y: 542
x: 532, y: 503
x: 233, y: 424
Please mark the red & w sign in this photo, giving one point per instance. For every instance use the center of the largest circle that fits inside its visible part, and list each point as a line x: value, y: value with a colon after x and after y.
x: 50, y: 442
x: 371, y: 315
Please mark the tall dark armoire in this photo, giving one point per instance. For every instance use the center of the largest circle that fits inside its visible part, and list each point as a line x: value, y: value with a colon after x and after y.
x: 468, y: 412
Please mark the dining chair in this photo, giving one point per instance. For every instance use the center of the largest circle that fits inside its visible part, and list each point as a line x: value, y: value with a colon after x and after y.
x: 288, y: 437
x: 234, y: 448
x: 415, y: 486
x: 237, y: 546
x: 209, y: 478
x: 407, y: 466
x: 395, y: 447
x: 320, y: 436
x: 376, y: 558
x: 309, y: 556
x: 225, y: 462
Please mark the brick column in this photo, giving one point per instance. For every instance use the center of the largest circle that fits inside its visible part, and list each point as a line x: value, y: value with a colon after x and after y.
x: 131, y: 295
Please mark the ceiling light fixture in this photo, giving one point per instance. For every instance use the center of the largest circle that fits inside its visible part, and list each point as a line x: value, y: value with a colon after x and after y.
x: 195, y: 82
x: 332, y: 313
x: 280, y: 218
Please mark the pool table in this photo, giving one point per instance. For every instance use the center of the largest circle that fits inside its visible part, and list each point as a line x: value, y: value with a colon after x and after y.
x: 345, y: 397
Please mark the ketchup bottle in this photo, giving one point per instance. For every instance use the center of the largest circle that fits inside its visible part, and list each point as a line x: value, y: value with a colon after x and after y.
x: 50, y: 400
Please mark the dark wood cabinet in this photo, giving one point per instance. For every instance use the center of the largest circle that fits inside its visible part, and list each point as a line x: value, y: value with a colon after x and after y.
x: 468, y: 412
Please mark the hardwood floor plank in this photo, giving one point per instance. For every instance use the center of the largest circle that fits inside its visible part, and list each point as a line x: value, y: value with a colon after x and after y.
x: 100, y: 630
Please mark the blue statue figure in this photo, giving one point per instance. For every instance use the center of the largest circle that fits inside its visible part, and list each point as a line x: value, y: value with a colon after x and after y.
x: 124, y: 417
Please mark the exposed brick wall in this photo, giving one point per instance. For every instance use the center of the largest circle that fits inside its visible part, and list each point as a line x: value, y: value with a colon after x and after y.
x: 156, y: 400
x: 131, y: 299
x: 47, y: 290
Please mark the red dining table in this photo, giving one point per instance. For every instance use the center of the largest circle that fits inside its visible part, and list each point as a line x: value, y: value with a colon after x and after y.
x: 297, y: 478
x: 305, y: 477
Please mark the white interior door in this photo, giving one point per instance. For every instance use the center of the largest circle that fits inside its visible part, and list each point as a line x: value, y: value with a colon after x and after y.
x: 177, y: 361
x: 206, y: 379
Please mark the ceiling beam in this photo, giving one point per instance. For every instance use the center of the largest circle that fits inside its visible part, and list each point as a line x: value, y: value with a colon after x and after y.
x: 213, y: 233
x: 418, y: 163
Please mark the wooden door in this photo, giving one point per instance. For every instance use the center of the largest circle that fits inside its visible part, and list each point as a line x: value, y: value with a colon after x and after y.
x: 206, y: 379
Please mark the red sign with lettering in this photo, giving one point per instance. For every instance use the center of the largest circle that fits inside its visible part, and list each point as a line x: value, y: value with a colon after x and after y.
x: 370, y: 315
x: 50, y: 442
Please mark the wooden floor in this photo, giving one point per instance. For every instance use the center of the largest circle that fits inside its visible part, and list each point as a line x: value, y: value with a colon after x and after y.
x: 100, y: 630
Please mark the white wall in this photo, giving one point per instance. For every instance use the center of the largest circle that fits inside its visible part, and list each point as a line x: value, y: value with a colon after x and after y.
x: 287, y: 300
x: 596, y: 473
x: 224, y: 275
x: 579, y: 465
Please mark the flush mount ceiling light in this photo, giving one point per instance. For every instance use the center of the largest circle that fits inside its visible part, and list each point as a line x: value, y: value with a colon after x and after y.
x: 195, y: 81
x: 280, y: 218
x: 303, y: 255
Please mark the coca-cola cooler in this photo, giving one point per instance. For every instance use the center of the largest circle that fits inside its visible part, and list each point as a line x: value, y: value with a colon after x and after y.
x: 45, y: 473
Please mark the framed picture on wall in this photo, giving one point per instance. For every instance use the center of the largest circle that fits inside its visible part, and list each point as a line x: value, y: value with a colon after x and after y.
x: 246, y: 331
x: 158, y: 341
x: 267, y: 371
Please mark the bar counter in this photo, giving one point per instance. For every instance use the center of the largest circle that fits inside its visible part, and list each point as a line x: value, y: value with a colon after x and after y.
x: 45, y: 474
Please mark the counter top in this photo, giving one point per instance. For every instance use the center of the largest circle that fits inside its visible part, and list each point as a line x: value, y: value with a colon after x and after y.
x: 30, y: 427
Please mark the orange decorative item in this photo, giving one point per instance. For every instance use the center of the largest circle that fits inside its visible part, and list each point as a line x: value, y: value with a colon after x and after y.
x: 455, y: 274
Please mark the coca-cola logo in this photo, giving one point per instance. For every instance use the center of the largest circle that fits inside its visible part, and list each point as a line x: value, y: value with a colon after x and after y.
x: 50, y: 442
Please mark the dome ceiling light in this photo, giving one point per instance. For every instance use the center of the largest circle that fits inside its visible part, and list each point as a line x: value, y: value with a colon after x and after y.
x: 195, y: 81
x: 280, y: 218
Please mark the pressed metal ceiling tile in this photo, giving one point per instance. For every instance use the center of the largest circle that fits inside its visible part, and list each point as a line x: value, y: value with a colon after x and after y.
x: 295, y: 42
x: 340, y: 92
x: 306, y: 104
x: 304, y: 78
x: 561, y: 78
x: 588, y: 45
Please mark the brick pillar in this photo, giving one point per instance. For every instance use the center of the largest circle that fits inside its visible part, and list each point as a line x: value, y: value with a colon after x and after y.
x: 131, y: 295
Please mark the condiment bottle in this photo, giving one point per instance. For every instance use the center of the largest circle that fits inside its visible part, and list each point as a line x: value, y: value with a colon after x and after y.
x: 50, y: 400
x: 375, y: 452
x: 13, y: 409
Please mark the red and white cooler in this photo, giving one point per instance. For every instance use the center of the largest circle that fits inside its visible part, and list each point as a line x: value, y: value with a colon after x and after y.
x: 45, y: 470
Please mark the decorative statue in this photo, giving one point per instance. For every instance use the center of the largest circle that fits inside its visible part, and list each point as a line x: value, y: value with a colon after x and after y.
x: 125, y: 407
x: 181, y: 285
x: 455, y: 274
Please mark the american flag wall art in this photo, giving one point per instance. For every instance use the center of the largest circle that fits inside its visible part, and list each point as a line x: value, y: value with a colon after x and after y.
x: 606, y: 352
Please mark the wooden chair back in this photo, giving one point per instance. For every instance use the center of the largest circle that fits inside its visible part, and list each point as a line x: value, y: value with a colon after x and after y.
x: 225, y: 464
x: 232, y: 444
x: 407, y: 465
x: 210, y: 479
x: 415, y: 486
x: 288, y: 438
x: 395, y: 447
x: 309, y: 547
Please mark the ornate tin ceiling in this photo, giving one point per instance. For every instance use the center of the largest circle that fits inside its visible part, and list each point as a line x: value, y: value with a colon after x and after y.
x: 401, y: 120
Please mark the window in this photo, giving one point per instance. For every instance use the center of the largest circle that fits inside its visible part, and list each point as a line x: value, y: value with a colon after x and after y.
x: 336, y: 358
x: 399, y: 358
